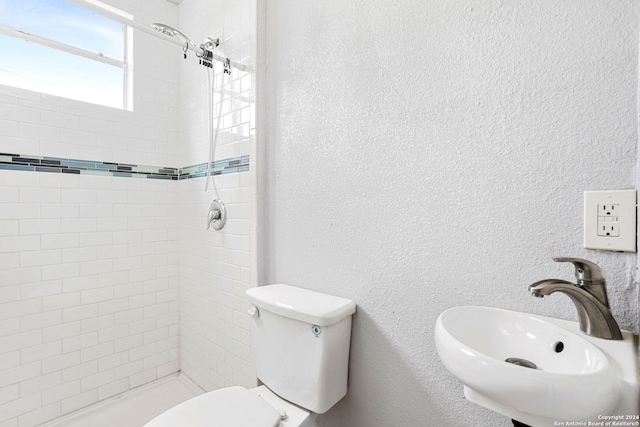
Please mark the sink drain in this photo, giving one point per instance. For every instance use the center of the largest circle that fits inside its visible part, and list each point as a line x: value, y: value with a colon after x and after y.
x: 521, y: 362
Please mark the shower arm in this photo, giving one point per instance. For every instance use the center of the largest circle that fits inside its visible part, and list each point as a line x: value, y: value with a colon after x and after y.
x: 110, y: 13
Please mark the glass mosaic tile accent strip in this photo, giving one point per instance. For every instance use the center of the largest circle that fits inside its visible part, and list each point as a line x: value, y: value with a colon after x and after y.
x: 93, y: 167
x: 219, y: 167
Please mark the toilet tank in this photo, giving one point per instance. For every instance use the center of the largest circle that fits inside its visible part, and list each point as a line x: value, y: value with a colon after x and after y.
x: 301, y: 342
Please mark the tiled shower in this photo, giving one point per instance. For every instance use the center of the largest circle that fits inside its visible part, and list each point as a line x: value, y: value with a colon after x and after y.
x: 109, y: 279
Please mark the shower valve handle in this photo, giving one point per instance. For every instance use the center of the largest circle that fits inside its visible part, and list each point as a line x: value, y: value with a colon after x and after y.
x: 217, y: 215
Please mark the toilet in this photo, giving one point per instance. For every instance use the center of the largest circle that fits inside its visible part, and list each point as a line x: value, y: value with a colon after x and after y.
x: 301, y: 341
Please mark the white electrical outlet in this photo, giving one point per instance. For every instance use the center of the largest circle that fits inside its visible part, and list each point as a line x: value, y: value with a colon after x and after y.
x: 610, y: 220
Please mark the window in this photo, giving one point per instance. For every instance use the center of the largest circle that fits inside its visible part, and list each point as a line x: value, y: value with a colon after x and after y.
x: 58, y: 48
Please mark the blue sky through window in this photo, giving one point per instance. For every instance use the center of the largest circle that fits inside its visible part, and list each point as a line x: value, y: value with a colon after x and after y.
x: 66, y: 23
x: 29, y: 65
x: 55, y: 72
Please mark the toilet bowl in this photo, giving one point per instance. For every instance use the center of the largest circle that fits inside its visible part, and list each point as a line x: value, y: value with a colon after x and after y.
x: 235, y: 407
x: 301, y: 340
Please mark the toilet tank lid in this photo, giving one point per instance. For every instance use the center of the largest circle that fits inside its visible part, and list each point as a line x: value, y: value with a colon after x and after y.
x: 301, y: 304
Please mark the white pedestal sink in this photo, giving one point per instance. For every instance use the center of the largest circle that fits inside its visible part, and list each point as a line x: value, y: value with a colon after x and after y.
x: 575, y: 377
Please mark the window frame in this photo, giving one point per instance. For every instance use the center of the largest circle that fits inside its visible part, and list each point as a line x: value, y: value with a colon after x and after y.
x: 125, y: 64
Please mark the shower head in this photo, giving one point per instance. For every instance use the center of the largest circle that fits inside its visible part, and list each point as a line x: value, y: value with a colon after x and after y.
x: 172, y: 32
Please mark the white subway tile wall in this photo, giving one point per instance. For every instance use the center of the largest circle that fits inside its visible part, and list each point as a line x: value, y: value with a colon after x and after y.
x: 216, y: 267
x: 214, y: 274
x: 89, y: 287
x: 84, y: 315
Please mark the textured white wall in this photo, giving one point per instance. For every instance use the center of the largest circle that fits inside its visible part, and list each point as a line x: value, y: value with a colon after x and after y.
x: 421, y: 155
x: 216, y: 267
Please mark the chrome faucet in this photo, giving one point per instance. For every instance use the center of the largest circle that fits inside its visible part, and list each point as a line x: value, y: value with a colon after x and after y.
x: 589, y: 295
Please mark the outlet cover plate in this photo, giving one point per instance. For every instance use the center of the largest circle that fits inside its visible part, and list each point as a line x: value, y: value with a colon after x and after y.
x: 610, y: 220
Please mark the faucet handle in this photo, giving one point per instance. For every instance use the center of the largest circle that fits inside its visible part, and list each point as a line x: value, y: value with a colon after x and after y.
x: 587, y: 272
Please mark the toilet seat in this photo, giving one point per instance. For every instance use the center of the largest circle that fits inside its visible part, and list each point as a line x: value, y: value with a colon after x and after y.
x: 231, y: 406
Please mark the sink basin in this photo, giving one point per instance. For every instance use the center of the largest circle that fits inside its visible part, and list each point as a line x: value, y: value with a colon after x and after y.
x: 568, y: 378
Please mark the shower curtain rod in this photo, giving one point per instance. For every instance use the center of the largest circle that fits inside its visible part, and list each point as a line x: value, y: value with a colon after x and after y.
x: 105, y: 10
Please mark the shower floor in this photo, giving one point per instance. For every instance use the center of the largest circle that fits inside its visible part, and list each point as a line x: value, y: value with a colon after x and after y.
x: 133, y: 408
